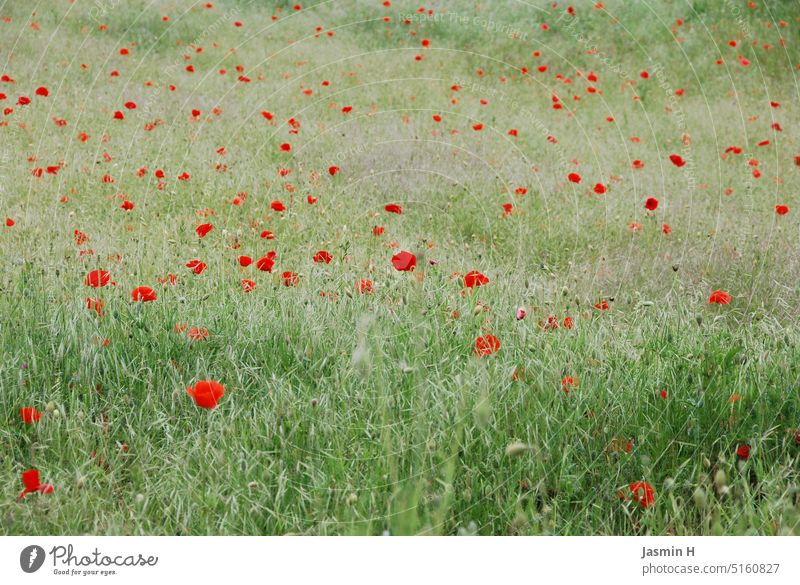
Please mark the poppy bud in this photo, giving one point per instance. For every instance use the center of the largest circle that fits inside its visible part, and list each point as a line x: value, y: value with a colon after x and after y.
x: 700, y: 498
x: 515, y: 449
x: 720, y: 480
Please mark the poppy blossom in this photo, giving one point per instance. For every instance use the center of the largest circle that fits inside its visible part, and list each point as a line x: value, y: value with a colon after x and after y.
x: 474, y: 279
x: 781, y: 209
x: 404, y: 261
x: 567, y: 383
x: 267, y: 262
x: 30, y: 415
x: 143, y: 294
x: 743, y: 452
x: 599, y: 188
x: 196, y: 266
x: 96, y: 305
x: 97, y: 278
x: 245, y: 261
x: 486, y: 345
x: 10, y: 222
x: 32, y: 483
x: 170, y: 279
x: 719, y: 297
x: 642, y: 493
x: 323, y: 256
x: 290, y: 279
x: 521, y: 312
x: 574, y: 178
x: 127, y: 205
x: 206, y: 393
x: 602, y: 305
x: 197, y: 333
x: 277, y: 205
x: 248, y: 286
x: 651, y: 204
x: 677, y: 160
x: 364, y: 286
x: 394, y: 208
x: 202, y: 230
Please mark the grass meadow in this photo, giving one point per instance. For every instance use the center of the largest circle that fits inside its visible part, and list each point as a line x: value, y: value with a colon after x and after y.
x: 597, y: 333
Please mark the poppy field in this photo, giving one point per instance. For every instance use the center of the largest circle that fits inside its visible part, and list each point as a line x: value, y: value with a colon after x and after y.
x: 377, y: 267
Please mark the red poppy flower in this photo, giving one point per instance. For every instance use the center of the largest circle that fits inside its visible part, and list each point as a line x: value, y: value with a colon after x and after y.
x: 665, y: 229
x: 743, y: 452
x: 404, y: 261
x: 643, y: 493
x: 333, y: 170
x: 32, y: 483
x: 96, y: 304
x: 248, y: 286
x: 97, y: 278
x: 202, y: 230
x: 10, y: 222
x: 29, y: 415
x: 475, y: 278
x: 364, y: 286
x: 567, y: 383
x: 80, y: 238
x: 602, y: 305
x: 677, y: 160
x: 781, y: 209
x: 245, y: 261
x: 599, y: 188
x: 394, y: 208
x: 143, y: 294
x: 290, y: 279
x: 277, y: 205
x: 196, y: 266
x: 266, y: 263
x: 574, y: 178
x: 127, y: 205
x: 267, y: 235
x: 323, y: 256
x: 197, y: 333
x: 206, y: 393
x: 651, y: 204
x: 486, y: 345
x: 719, y: 297
x: 170, y: 279
x: 663, y: 394
x: 378, y: 230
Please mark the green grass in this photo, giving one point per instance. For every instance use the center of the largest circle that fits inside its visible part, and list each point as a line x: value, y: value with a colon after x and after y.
x: 365, y: 414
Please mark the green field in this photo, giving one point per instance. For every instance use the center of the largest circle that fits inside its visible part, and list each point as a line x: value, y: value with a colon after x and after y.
x: 356, y: 408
